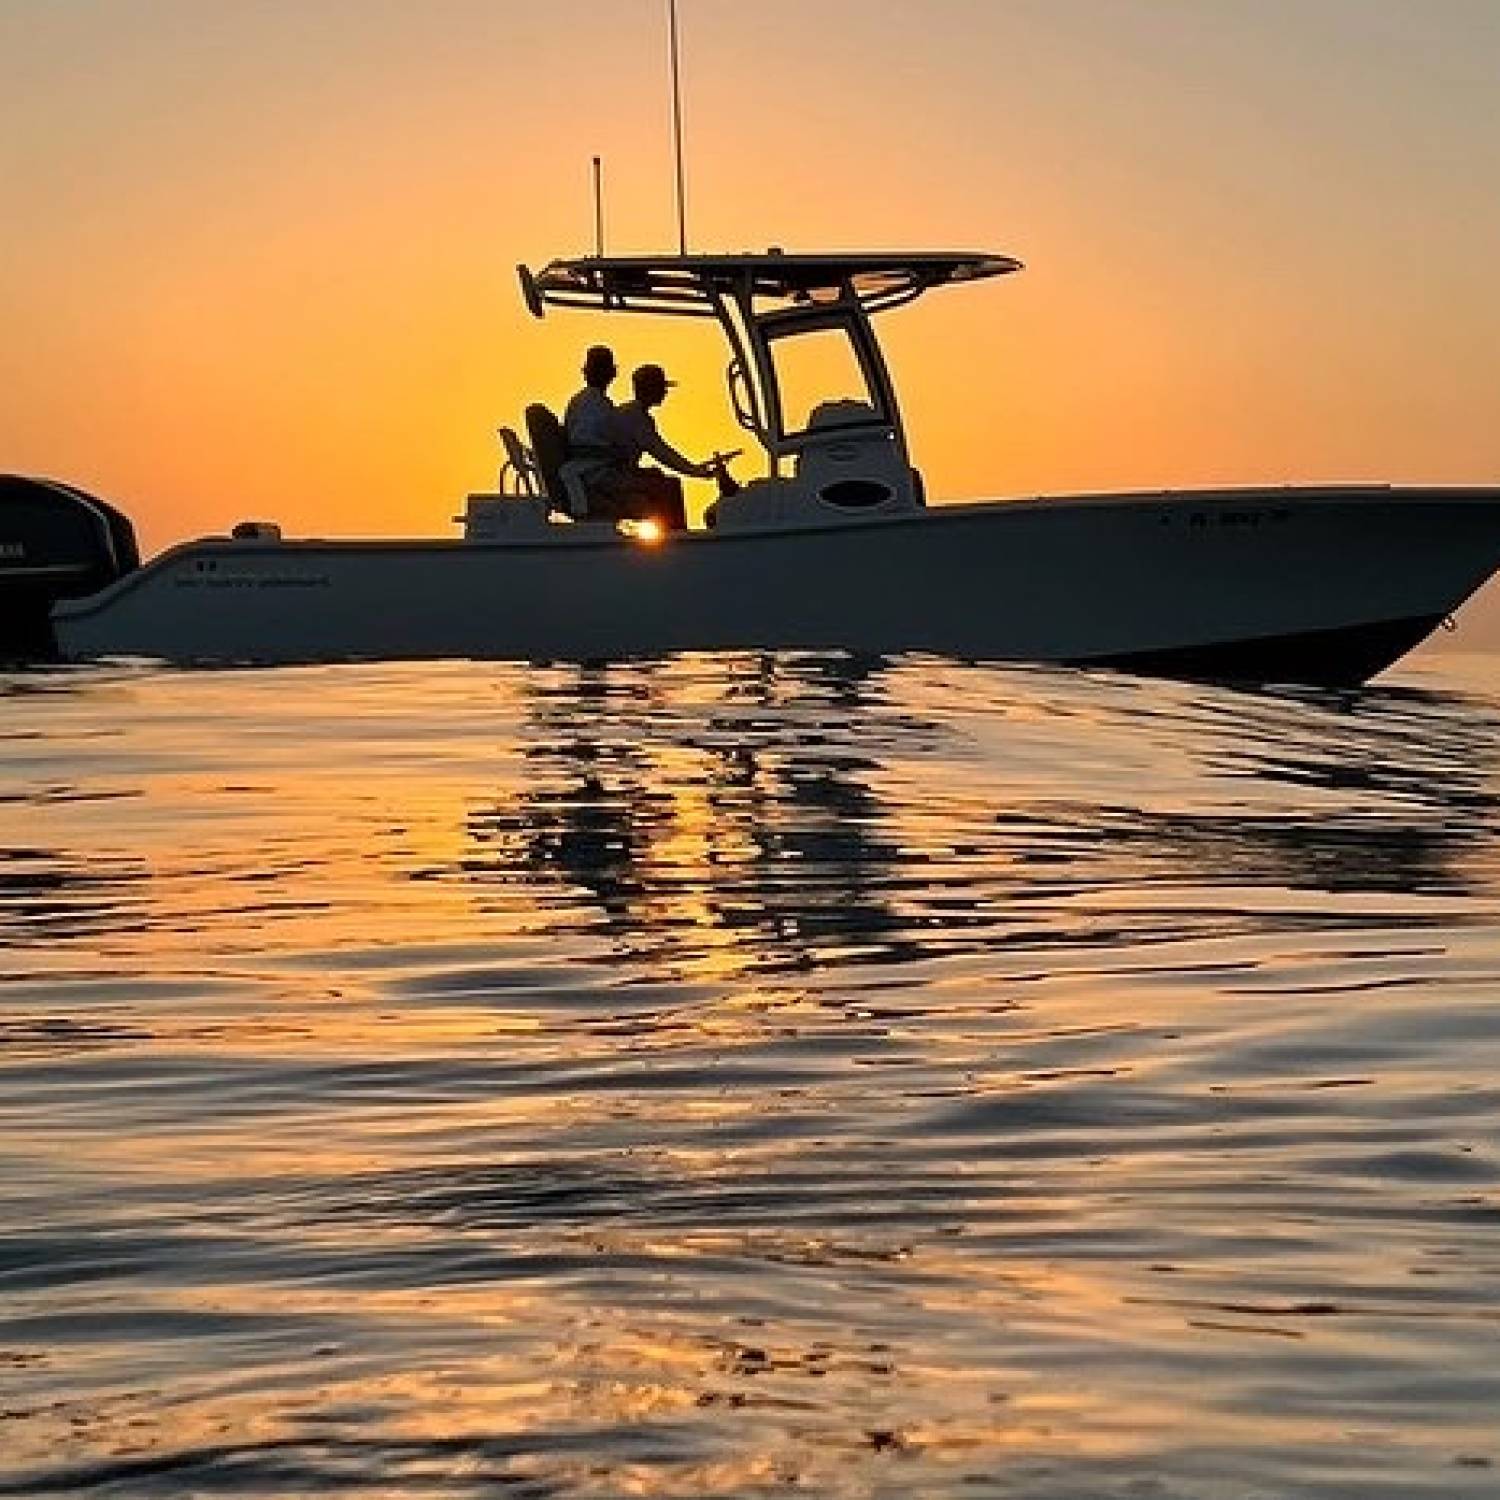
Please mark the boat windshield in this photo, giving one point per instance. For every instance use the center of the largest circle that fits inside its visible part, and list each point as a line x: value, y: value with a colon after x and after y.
x: 821, y: 380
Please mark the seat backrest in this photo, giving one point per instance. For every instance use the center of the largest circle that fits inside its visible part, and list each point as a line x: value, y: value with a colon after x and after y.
x: 520, y: 469
x: 549, y: 448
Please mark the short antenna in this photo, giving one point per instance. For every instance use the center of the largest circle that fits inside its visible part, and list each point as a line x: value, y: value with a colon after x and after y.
x: 677, y: 127
x: 598, y: 207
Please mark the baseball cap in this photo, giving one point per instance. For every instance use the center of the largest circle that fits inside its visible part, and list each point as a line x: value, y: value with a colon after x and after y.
x: 653, y: 375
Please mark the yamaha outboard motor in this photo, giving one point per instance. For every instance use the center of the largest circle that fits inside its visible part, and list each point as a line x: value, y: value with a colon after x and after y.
x: 55, y: 543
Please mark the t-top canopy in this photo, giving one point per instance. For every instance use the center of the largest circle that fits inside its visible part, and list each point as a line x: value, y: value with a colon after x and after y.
x: 686, y: 284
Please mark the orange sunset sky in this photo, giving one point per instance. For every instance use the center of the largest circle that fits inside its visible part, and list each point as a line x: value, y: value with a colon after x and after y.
x: 259, y: 254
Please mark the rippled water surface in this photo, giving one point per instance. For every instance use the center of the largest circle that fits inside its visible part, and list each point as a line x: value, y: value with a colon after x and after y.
x: 748, y: 1076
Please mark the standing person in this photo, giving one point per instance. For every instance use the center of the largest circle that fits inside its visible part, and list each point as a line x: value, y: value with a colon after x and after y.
x: 648, y: 493
x: 589, y: 422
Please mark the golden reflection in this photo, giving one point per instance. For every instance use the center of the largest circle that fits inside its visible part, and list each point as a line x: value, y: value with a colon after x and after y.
x: 503, y: 1372
x: 739, y: 849
x: 393, y: 1168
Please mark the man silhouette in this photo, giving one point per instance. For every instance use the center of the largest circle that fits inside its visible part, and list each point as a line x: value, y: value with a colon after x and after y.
x: 648, y: 493
x: 589, y: 422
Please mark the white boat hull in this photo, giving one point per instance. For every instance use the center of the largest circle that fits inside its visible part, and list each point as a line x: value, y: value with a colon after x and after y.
x: 1320, y: 585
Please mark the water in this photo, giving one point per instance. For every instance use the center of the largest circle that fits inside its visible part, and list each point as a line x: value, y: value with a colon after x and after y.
x: 748, y: 1076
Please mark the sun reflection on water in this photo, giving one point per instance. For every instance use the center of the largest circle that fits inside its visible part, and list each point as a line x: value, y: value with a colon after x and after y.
x: 720, y: 1077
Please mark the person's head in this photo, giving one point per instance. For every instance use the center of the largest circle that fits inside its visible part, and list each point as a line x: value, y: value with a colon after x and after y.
x: 651, y: 385
x: 599, y: 367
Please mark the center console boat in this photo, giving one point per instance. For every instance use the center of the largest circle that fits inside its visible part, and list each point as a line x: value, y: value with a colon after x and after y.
x: 834, y: 546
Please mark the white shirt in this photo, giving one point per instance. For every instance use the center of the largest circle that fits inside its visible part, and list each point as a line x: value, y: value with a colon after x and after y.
x: 635, y: 434
x: 590, y: 424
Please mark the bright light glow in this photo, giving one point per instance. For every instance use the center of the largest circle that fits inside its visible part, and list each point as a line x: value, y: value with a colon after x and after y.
x: 649, y: 532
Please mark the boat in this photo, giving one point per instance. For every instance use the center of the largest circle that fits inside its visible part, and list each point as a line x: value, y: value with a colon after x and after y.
x: 834, y: 546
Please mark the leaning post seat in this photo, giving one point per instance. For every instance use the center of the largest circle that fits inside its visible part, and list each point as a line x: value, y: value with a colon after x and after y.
x: 559, y: 473
x: 56, y: 542
x: 549, y: 448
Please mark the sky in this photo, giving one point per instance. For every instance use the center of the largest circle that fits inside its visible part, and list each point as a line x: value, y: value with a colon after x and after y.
x: 258, y: 255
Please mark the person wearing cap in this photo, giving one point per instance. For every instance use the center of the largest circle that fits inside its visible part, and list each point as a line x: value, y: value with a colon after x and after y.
x: 589, y: 422
x: 648, y: 493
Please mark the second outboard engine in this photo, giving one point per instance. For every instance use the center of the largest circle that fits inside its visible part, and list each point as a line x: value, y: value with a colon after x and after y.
x: 55, y: 543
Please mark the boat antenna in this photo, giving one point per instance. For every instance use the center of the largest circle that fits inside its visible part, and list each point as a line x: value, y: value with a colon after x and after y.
x: 677, y: 127
x: 598, y: 207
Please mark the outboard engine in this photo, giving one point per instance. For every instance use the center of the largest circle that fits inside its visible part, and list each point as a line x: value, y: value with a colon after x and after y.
x: 55, y: 543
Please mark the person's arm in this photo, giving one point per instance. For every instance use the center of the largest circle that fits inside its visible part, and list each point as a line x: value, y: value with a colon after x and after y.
x: 668, y: 457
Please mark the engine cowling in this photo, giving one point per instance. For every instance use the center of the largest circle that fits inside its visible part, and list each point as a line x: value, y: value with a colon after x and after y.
x: 56, y: 542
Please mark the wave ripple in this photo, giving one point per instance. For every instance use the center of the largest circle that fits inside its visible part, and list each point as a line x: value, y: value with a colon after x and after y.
x: 747, y: 1075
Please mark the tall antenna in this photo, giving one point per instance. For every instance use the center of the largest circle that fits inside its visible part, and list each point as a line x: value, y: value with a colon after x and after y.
x: 598, y: 207
x: 677, y: 128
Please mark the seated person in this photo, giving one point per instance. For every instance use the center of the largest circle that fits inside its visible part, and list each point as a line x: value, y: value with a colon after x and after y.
x: 589, y: 422
x: 622, y: 490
